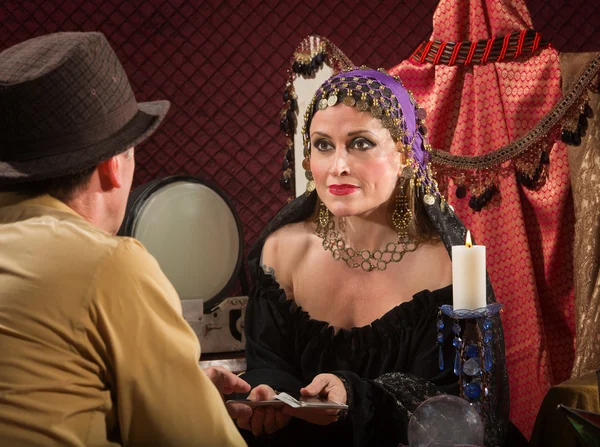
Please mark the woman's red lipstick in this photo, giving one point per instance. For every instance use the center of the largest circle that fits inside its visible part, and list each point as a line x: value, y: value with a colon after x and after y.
x: 342, y: 190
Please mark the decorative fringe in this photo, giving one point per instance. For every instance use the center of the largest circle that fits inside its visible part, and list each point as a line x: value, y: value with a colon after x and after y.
x: 478, y: 201
x: 527, y: 157
x: 308, y: 69
x: 572, y: 136
x: 309, y: 57
x: 287, y: 179
x: 536, y: 179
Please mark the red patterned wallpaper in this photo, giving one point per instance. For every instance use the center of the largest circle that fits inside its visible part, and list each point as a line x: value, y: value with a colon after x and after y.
x: 223, y: 66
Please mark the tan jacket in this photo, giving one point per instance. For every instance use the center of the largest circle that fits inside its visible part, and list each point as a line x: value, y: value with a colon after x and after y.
x: 93, y: 348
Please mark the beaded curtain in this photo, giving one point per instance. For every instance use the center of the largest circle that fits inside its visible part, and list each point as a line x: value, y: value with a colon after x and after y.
x: 223, y: 65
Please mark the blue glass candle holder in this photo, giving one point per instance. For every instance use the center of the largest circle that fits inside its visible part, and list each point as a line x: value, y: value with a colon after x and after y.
x: 473, y: 358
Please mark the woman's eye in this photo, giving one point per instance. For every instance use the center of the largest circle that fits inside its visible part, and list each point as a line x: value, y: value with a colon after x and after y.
x: 362, y: 144
x: 322, y: 145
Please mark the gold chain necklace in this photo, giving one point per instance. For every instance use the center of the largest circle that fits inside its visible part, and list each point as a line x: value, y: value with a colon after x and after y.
x: 365, y: 259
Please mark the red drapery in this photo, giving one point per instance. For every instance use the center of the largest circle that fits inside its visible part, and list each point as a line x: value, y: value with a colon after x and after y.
x: 473, y: 110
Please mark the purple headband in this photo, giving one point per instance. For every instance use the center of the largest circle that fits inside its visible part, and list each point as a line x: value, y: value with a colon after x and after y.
x: 386, y: 98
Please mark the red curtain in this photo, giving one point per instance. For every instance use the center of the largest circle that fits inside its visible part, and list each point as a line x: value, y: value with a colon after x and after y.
x: 476, y: 109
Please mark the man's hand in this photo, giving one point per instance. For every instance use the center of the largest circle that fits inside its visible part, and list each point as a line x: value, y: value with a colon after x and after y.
x: 226, y: 381
x: 328, y: 386
x: 263, y: 419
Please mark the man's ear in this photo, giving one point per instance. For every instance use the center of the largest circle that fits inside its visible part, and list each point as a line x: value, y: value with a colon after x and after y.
x: 110, y: 174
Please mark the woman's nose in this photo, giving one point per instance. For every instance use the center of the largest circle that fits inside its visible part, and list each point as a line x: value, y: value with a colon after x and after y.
x: 339, y: 165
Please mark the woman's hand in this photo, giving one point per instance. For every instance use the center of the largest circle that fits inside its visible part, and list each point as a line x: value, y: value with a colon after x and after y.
x: 328, y: 386
x: 263, y: 420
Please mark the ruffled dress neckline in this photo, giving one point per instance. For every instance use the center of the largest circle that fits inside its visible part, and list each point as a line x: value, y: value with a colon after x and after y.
x: 402, y: 317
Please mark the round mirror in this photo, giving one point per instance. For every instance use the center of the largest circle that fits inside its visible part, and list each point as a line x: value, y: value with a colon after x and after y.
x: 192, y: 230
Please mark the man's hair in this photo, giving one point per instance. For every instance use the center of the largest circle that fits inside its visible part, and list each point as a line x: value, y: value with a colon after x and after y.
x: 62, y: 188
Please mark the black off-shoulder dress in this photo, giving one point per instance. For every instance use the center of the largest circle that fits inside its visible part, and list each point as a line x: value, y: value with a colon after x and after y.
x: 286, y: 349
x: 390, y: 366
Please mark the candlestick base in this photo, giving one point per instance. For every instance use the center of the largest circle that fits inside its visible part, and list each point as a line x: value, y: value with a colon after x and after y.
x: 463, y: 314
x: 474, y: 358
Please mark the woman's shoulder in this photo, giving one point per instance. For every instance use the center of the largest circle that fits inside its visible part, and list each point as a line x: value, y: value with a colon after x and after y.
x: 290, y: 239
x: 285, y: 249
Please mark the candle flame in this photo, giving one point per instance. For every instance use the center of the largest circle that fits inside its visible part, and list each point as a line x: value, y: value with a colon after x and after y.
x: 468, y: 242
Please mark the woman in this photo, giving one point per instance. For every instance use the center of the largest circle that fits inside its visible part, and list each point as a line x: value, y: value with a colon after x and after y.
x: 348, y: 279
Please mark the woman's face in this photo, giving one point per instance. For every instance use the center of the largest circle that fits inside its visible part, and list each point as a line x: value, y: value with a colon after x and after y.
x: 353, y: 159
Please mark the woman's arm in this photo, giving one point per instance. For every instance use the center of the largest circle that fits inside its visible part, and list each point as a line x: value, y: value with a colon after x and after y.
x: 270, y: 341
x: 270, y: 338
x: 269, y: 322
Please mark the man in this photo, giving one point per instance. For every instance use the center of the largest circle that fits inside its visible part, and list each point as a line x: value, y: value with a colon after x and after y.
x: 93, y: 348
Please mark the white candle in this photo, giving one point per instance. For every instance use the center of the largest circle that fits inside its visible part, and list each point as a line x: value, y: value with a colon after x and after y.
x: 468, y: 275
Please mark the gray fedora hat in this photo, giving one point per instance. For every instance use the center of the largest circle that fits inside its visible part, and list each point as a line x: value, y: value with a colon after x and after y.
x: 66, y: 105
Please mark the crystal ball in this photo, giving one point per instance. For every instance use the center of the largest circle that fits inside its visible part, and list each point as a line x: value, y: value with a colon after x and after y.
x: 443, y: 421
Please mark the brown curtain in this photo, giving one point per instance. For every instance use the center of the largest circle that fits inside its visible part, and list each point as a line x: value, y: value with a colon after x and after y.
x: 584, y: 165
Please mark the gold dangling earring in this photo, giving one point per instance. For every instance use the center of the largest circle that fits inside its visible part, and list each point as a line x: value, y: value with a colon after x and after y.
x: 402, y: 216
x: 310, y: 184
x: 323, y: 220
